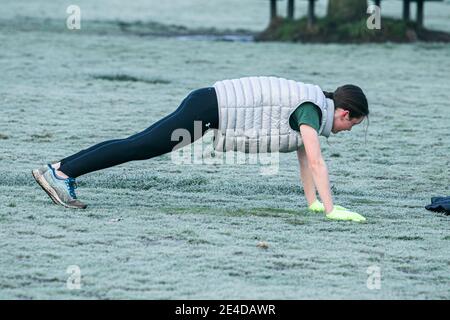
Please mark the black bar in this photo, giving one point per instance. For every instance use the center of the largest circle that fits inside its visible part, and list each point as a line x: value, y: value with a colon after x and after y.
x: 222, y: 309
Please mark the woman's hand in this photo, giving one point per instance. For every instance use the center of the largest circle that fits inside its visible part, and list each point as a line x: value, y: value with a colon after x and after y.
x: 337, y: 214
x: 318, y: 207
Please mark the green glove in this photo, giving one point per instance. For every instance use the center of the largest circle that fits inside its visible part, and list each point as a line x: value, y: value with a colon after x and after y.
x: 337, y: 214
x: 317, y: 206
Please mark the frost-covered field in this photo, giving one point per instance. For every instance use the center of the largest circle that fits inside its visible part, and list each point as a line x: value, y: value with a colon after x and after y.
x: 156, y: 230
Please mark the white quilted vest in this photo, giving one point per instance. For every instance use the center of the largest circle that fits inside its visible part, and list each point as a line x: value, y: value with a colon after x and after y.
x: 254, y: 113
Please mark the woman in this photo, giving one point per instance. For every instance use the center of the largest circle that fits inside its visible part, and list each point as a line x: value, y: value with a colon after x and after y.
x: 252, y: 114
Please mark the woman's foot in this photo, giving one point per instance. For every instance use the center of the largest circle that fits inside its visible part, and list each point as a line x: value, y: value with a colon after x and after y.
x: 60, y: 190
x: 59, y: 173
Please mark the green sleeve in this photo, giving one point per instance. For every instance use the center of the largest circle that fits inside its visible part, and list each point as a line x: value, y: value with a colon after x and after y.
x: 307, y: 113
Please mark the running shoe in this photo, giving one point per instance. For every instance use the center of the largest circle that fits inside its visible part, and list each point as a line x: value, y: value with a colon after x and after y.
x: 61, y: 191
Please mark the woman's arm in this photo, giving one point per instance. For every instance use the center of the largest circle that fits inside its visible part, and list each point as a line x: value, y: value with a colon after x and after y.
x: 318, y: 168
x: 306, y: 176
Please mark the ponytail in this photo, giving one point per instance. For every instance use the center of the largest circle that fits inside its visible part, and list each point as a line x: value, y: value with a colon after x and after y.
x: 329, y: 95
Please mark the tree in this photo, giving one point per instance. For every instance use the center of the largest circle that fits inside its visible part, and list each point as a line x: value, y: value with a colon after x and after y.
x: 290, y: 9
x: 347, y: 10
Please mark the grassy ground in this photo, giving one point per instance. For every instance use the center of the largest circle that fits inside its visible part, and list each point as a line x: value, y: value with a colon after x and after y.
x: 162, y: 231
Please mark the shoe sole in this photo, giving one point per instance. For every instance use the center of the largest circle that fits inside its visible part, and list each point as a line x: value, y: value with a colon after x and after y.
x: 50, y: 191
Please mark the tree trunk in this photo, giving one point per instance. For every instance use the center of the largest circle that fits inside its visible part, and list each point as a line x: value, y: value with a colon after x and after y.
x: 347, y: 10
x: 420, y: 13
x: 311, y: 15
x: 273, y: 9
x: 406, y: 10
x: 290, y: 10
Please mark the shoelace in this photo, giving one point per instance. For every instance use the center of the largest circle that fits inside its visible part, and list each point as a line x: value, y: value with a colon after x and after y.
x: 71, y: 185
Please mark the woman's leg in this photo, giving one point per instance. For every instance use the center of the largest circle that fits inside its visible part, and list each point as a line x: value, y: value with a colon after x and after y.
x: 96, y: 146
x: 200, y: 105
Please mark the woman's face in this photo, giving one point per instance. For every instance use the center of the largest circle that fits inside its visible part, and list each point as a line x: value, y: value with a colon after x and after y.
x: 342, y: 121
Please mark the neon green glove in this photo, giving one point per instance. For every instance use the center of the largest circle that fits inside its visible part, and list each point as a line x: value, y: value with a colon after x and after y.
x: 337, y: 214
x: 317, y: 207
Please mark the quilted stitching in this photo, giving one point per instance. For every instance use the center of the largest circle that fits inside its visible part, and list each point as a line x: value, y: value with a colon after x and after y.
x: 268, y: 102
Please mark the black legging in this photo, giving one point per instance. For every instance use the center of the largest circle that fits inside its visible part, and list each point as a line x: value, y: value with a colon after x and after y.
x: 199, y: 105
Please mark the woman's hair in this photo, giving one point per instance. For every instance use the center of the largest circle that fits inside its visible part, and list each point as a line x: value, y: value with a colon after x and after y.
x: 352, y: 98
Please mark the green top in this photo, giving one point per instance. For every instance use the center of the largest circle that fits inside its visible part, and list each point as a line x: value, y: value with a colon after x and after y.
x: 307, y: 113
